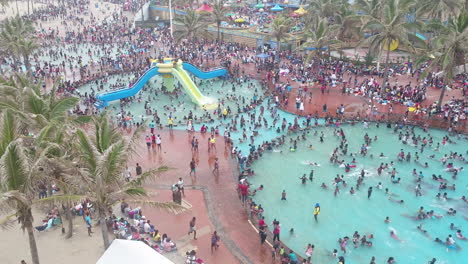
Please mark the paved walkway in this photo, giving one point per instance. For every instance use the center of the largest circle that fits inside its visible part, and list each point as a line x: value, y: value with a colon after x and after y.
x: 226, y: 215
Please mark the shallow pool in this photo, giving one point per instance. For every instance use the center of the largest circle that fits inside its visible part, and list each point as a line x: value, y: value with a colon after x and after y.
x: 346, y: 213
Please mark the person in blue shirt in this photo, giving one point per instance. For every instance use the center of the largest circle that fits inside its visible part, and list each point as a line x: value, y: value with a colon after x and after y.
x: 88, y: 223
x: 292, y: 257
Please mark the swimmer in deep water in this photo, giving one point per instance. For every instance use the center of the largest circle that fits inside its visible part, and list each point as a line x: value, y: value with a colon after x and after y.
x: 396, y: 201
x: 394, y: 236
x: 303, y: 179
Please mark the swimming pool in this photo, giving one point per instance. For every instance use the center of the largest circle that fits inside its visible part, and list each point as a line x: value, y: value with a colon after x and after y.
x: 342, y: 215
x: 178, y: 105
x: 346, y: 213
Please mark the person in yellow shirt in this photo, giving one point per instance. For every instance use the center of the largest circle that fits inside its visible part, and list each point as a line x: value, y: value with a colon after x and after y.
x: 316, y: 211
x: 170, y: 122
x: 212, y: 142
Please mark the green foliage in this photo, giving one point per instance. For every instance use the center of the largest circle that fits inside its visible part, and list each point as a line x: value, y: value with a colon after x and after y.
x: 192, y: 25
x: 280, y: 28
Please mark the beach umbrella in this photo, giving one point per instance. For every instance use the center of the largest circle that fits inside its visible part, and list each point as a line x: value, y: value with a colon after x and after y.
x: 301, y: 11
x: 260, y: 5
x: 277, y: 8
x: 205, y: 8
x: 239, y: 20
x: 229, y: 14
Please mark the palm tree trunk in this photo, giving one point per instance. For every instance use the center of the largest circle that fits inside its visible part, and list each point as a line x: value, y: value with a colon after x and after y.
x: 102, y: 224
x: 32, y: 240
x: 17, y: 9
x: 27, y: 64
x: 442, y: 95
x: 379, y: 55
x: 28, y: 6
x: 218, y: 24
x: 387, y: 62
x: 70, y: 220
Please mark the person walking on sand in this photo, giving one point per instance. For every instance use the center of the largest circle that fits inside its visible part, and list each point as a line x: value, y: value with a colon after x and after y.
x: 88, y: 224
x: 192, y: 228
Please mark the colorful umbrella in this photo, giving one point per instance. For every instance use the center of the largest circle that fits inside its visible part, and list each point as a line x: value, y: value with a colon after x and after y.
x: 301, y: 11
x: 260, y: 5
x: 277, y: 8
x: 239, y: 20
x: 205, y: 8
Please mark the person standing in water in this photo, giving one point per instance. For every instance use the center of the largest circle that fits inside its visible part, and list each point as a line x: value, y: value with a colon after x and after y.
x: 316, y: 211
x: 283, y: 195
x: 369, y: 192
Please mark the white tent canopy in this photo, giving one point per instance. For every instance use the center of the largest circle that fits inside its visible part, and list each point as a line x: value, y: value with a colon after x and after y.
x: 129, y: 251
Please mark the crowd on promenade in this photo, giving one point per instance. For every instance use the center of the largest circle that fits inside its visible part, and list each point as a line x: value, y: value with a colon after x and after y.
x: 90, y: 52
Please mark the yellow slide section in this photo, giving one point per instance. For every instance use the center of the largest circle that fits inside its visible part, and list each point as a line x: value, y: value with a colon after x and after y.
x: 188, y: 85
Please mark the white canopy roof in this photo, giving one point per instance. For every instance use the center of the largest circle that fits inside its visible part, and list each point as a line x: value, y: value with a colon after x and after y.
x: 129, y: 251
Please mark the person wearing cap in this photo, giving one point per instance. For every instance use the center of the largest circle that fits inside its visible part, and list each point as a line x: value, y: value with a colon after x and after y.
x: 316, y: 211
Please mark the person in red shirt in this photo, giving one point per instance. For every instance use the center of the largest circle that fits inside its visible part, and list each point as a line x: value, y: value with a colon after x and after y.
x: 261, y: 222
x: 244, y: 189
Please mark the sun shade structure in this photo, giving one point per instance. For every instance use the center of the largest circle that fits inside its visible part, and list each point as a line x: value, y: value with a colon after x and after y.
x: 239, y: 20
x: 259, y: 5
x: 129, y: 251
x: 205, y: 8
x: 301, y: 11
x: 277, y: 8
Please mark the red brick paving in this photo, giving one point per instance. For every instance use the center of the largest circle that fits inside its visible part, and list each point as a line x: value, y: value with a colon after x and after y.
x: 176, y: 226
x: 176, y: 154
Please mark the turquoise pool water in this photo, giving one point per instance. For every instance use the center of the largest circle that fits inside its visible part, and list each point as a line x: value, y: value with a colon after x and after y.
x: 342, y: 215
x: 179, y: 104
x: 346, y: 213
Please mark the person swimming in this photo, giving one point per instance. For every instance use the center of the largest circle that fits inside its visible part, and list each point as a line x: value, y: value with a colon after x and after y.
x: 394, y: 235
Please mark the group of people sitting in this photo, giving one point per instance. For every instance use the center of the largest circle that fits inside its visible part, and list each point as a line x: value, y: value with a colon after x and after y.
x: 134, y: 226
x: 52, y: 219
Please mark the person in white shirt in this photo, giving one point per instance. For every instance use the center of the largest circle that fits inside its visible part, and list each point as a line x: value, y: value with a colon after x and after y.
x: 180, y: 183
x: 147, y: 227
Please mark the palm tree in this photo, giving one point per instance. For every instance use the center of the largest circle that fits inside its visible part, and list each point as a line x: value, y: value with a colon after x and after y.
x: 192, y: 24
x: 348, y: 24
x: 372, y: 8
x: 320, y: 37
x: 448, y: 48
x: 439, y: 9
x: 26, y: 48
x: 324, y: 9
x: 280, y: 28
x: 17, y: 38
x: 103, y: 157
x: 218, y: 15
x: 48, y: 116
x: 18, y: 177
x: 4, y: 3
x: 389, y: 28
x: 38, y: 107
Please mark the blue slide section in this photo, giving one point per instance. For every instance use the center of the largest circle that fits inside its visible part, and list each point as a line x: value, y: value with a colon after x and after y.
x: 105, y: 98
x: 202, y: 74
